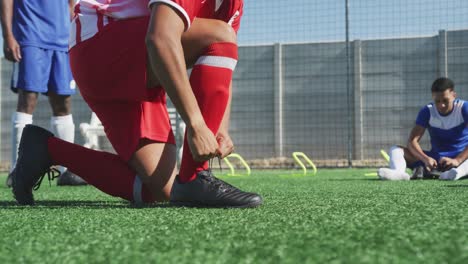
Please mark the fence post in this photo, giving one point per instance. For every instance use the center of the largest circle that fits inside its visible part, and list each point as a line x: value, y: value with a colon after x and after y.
x: 349, y: 92
x: 443, y: 64
x: 1, y: 97
x: 278, y: 99
x: 358, y: 125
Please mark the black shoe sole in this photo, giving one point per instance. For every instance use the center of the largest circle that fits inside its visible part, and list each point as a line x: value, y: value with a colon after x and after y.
x: 9, y: 182
x: 201, y: 205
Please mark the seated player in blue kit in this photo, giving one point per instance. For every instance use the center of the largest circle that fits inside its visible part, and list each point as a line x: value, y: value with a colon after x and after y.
x: 446, y: 119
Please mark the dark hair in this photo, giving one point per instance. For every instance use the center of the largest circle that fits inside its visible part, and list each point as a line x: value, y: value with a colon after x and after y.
x: 442, y: 84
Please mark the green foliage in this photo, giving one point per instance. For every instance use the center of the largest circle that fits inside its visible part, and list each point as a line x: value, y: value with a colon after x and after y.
x: 338, y: 216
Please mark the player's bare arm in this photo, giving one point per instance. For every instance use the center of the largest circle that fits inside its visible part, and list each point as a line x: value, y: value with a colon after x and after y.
x: 448, y: 163
x: 415, y: 149
x: 11, y: 48
x: 167, y: 61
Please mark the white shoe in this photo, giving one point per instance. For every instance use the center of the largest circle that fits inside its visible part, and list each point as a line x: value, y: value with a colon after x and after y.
x: 449, y: 175
x: 387, y: 174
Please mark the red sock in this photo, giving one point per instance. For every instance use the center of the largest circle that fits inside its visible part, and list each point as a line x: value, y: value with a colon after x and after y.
x: 105, y: 171
x: 210, y: 80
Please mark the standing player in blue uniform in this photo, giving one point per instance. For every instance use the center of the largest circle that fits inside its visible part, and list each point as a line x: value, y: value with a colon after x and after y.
x: 446, y: 119
x: 35, y: 34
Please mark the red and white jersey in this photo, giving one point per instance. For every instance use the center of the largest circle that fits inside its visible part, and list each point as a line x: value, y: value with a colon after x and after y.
x: 93, y: 15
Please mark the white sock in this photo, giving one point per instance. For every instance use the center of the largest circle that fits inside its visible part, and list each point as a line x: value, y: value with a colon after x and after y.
x: 392, y: 175
x: 397, y: 159
x: 19, y: 121
x: 455, y: 173
x: 63, y: 128
x: 462, y: 170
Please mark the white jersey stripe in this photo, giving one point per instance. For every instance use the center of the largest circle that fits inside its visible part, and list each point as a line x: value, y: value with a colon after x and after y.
x: 72, y: 40
x: 105, y: 21
x: 217, y: 61
x: 89, y: 28
x: 218, y: 4
x: 450, y: 121
x: 236, y: 14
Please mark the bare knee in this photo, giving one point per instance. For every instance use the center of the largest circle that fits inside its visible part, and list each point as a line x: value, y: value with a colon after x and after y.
x: 223, y: 32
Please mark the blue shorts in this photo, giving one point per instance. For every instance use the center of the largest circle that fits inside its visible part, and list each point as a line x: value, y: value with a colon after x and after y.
x: 43, y: 70
x: 435, y: 155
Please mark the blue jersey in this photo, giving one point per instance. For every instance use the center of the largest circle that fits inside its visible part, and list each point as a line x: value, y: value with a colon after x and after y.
x: 449, y: 133
x: 42, y: 23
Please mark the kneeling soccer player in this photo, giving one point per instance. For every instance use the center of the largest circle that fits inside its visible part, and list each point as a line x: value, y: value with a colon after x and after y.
x: 123, y: 52
x: 446, y: 119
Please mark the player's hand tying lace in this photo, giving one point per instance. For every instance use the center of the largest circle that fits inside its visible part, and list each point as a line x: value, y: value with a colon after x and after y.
x: 202, y: 143
x: 226, y: 146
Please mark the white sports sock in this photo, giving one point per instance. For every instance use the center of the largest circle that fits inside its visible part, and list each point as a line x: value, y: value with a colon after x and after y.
x: 449, y: 175
x: 19, y: 121
x: 455, y: 173
x: 397, y: 159
x: 462, y: 170
x: 392, y: 175
x: 64, y: 128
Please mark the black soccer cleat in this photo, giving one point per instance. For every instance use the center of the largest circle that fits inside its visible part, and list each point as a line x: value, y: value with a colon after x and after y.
x: 9, y: 180
x: 433, y: 174
x: 68, y: 178
x: 418, y: 173
x: 208, y: 191
x: 32, y: 164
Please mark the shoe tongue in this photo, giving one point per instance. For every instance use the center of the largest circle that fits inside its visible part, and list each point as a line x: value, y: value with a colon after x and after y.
x: 205, y: 174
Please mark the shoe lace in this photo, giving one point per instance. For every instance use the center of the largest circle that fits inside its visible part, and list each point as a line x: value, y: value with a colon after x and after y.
x: 52, y: 173
x: 215, y: 182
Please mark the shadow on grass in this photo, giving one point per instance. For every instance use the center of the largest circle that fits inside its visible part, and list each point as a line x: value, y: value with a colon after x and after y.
x: 53, y: 204
x: 354, y: 179
x: 457, y: 186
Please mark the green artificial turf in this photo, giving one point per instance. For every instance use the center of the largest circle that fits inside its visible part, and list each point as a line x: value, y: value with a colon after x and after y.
x: 337, y: 216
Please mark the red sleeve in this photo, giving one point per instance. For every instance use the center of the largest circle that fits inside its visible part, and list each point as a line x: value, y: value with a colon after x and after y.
x: 236, y: 18
x: 187, y: 9
x: 231, y: 12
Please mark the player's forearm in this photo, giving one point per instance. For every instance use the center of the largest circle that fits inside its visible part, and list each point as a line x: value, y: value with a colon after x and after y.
x: 462, y: 156
x: 167, y: 61
x: 168, y: 64
x: 7, y: 18
x: 416, y: 150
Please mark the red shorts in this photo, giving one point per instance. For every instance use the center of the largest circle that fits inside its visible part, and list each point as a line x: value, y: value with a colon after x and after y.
x: 110, y: 70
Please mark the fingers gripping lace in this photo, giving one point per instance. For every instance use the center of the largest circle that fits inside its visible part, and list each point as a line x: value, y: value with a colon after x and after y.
x: 210, y: 164
x: 52, y: 173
